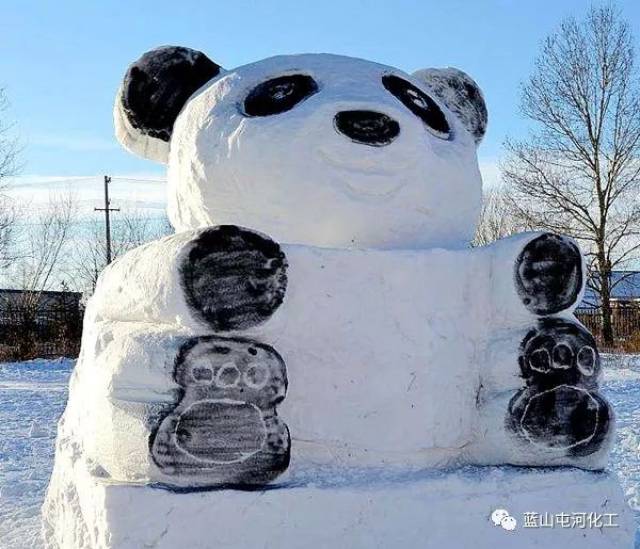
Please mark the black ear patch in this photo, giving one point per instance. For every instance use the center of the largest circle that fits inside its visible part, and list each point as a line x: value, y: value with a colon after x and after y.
x: 158, y: 85
x: 462, y: 96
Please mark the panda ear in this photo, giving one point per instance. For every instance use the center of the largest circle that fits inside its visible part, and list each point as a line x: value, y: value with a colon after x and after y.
x: 462, y: 96
x: 152, y: 94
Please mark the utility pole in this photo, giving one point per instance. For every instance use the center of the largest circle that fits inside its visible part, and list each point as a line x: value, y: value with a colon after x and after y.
x: 106, y: 211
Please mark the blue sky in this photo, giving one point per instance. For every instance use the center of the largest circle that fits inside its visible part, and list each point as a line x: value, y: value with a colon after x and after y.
x: 61, y: 62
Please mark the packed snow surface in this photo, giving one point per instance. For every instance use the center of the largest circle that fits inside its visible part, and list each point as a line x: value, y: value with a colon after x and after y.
x: 33, y: 395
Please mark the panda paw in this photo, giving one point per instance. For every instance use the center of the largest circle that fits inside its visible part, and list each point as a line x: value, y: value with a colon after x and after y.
x: 225, y: 430
x: 233, y: 278
x: 559, y: 409
x: 549, y: 274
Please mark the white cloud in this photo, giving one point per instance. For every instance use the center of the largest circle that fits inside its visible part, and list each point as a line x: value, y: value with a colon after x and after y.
x: 139, y: 191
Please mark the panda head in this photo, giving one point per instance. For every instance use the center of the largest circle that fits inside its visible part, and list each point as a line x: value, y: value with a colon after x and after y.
x: 313, y: 149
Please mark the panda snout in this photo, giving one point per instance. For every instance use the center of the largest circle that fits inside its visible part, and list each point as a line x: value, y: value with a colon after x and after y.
x: 367, y: 127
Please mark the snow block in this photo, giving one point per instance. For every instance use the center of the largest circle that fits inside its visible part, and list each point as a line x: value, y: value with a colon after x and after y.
x: 348, y: 509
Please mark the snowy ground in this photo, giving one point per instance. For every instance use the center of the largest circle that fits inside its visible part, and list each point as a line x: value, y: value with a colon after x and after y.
x: 32, y: 397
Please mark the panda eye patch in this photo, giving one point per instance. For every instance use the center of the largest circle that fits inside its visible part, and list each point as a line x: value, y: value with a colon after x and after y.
x: 419, y: 103
x: 279, y: 94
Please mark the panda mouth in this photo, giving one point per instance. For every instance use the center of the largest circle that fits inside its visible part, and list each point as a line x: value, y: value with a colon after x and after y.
x: 361, y: 164
x: 374, y: 189
x: 365, y: 176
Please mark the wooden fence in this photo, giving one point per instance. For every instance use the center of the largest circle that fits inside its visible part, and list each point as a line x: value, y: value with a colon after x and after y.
x: 625, y: 322
x: 51, y: 332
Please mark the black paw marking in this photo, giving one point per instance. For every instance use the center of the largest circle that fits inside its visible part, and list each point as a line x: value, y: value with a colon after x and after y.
x: 233, y: 278
x: 559, y: 352
x: 548, y: 274
x: 225, y: 430
x: 560, y: 408
x: 158, y: 85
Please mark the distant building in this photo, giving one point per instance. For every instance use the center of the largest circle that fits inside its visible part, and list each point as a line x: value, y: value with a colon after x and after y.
x: 625, y: 292
x: 39, y: 324
x: 48, y: 302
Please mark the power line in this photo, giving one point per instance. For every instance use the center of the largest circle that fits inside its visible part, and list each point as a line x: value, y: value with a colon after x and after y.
x: 88, y: 220
x: 35, y: 182
x: 140, y: 180
x: 73, y: 179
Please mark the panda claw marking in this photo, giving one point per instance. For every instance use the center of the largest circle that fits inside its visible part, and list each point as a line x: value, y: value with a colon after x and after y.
x: 224, y: 430
x: 560, y: 409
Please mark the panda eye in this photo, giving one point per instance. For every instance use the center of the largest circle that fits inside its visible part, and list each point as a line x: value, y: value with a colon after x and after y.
x: 419, y: 103
x: 279, y: 94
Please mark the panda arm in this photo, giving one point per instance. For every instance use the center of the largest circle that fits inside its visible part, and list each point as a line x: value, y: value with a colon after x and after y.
x: 216, y: 279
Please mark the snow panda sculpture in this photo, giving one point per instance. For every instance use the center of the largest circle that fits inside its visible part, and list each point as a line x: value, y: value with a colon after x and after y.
x: 319, y: 305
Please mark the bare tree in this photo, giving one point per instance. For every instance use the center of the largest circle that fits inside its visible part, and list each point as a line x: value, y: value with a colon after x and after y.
x: 578, y: 172
x: 130, y: 230
x: 135, y: 228
x: 43, y: 244
x: 8, y: 166
x: 8, y: 145
x: 497, y: 219
x: 7, y: 228
x: 89, y: 258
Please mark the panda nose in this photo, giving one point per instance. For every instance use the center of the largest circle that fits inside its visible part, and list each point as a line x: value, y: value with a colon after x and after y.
x: 367, y: 127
